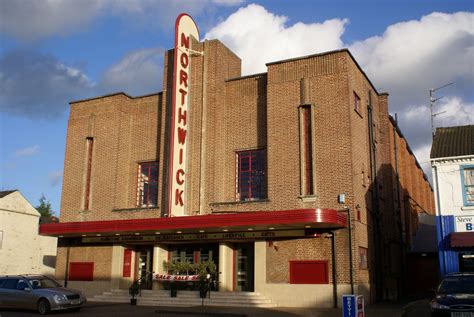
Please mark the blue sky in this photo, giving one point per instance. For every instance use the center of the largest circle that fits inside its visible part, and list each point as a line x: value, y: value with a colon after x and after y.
x: 53, y: 52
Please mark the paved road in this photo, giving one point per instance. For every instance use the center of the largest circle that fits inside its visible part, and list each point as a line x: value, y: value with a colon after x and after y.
x: 415, y: 309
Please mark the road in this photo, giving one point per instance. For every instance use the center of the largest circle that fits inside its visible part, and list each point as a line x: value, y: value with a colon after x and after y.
x: 414, y: 309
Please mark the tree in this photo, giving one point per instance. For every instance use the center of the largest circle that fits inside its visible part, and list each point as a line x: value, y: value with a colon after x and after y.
x: 44, y: 208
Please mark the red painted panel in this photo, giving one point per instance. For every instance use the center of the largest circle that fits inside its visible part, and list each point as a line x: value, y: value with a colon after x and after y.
x: 322, y: 217
x: 127, y: 263
x: 309, y: 272
x: 81, y: 271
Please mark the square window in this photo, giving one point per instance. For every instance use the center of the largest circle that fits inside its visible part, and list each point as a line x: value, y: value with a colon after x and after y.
x: 251, y: 180
x: 147, y: 191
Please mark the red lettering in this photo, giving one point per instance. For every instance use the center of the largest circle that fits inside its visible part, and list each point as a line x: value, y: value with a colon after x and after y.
x: 182, y: 116
x: 179, y: 198
x: 181, y: 136
x: 184, y: 40
x: 183, y: 78
x: 183, y: 95
x: 180, y: 156
x: 184, y: 59
x: 180, y: 173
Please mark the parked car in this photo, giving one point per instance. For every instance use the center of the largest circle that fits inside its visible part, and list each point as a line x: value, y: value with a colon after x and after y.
x: 454, y: 297
x: 38, y: 292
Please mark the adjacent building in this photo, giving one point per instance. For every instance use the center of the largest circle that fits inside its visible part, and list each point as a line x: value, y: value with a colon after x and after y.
x: 452, y: 162
x: 296, y: 182
x: 22, y: 249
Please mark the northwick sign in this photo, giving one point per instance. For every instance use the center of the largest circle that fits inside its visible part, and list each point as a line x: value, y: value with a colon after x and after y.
x: 185, y: 30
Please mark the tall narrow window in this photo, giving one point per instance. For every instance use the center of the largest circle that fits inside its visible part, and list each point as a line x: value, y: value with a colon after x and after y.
x: 467, y: 176
x: 356, y: 103
x: 147, y: 184
x: 306, y: 141
x: 251, y: 175
x: 87, y: 185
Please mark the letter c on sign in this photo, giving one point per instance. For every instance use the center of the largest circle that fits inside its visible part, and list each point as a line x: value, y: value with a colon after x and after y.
x: 179, y: 180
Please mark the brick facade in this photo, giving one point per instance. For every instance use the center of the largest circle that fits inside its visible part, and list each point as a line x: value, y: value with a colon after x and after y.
x: 356, y: 152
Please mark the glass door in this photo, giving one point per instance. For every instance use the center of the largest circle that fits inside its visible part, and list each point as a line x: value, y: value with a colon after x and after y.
x: 244, y: 268
x: 144, y: 264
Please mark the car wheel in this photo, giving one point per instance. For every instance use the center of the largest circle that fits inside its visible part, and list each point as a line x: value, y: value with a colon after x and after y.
x: 44, y: 307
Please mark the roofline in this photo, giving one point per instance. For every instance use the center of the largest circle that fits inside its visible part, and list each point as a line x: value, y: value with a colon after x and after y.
x: 456, y: 157
x: 115, y: 94
x: 343, y: 50
x: 395, y: 124
x: 245, y: 77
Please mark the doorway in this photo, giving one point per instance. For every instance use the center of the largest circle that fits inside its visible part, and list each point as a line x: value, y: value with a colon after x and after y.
x: 244, y: 267
x: 144, y: 258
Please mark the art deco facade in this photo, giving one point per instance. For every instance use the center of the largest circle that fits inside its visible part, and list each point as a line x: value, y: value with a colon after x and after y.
x: 276, y: 163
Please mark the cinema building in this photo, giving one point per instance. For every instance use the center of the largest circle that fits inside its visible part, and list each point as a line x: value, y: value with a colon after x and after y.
x: 296, y: 182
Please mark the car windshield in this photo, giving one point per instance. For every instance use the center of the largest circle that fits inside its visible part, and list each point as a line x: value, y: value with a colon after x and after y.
x: 457, y: 284
x: 42, y: 282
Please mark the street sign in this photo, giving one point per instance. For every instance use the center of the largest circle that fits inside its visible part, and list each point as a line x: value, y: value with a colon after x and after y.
x: 353, y: 306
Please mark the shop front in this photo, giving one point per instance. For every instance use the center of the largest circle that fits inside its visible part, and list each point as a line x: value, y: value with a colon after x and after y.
x: 145, y: 250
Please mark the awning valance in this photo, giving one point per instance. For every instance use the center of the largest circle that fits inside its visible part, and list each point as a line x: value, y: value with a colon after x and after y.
x: 462, y: 239
x: 261, y: 220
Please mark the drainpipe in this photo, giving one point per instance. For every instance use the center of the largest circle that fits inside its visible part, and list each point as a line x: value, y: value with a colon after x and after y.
x: 334, y: 273
x: 66, y: 272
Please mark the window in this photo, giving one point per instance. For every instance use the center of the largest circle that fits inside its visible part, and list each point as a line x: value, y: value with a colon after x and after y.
x: 356, y: 103
x: 251, y: 175
x: 363, y: 259
x: 467, y: 178
x: 87, y: 184
x: 81, y: 271
x: 147, y: 184
x: 309, y: 272
x: 306, y: 148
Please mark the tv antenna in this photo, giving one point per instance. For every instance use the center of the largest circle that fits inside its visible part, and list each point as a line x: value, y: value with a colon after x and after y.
x: 432, y: 102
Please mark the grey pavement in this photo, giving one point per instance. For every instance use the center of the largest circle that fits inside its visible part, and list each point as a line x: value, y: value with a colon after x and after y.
x: 416, y: 309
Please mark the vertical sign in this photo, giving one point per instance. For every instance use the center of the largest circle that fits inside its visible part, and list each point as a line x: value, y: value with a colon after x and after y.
x: 348, y: 306
x: 127, y: 263
x: 185, y: 30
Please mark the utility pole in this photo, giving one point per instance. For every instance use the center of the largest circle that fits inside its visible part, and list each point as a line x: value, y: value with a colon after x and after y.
x: 432, y: 102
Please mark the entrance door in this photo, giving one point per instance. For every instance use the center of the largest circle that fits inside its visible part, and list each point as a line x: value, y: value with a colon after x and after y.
x: 144, y: 264
x: 244, y: 267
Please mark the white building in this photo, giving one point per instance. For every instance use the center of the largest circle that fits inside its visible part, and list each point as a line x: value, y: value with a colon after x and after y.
x: 22, y: 249
x: 452, y: 161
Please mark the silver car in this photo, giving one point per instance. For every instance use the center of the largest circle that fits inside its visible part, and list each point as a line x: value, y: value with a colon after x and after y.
x: 37, y: 292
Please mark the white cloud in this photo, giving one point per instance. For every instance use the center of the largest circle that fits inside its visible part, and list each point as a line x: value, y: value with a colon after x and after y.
x: 28, y: 151
x: 411, y: 57
x: 258, y: 37
x: 55, y: 177
x: 33, y: 20
x: 139, y: 72
x: 35, y: 85
x: 30, y: 20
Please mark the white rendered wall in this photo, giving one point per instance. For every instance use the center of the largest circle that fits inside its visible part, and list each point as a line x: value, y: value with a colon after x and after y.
x: 23, y: 250
x: 448, y: 187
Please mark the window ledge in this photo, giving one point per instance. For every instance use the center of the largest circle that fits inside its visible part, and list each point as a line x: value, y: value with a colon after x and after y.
x: 239, y: 202
x: 135, y: 209
x: 467, y: 208
x: 308, y: 198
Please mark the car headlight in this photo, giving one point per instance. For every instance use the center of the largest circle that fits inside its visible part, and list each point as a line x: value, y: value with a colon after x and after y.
x: 60, y: 298
x: 436, y: 305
